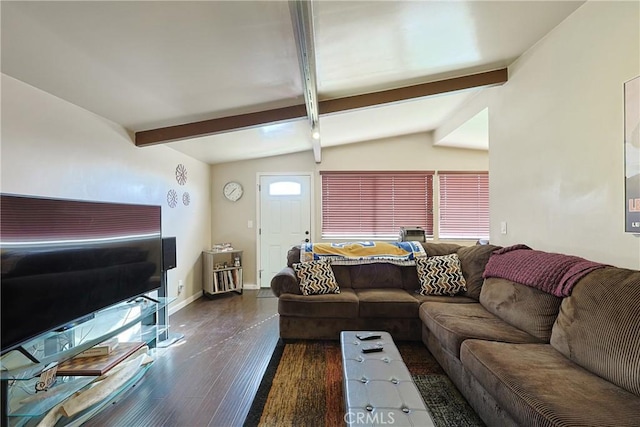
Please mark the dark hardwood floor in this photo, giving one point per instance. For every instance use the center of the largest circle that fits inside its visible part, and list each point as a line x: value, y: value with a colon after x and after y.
x: 211, y: 376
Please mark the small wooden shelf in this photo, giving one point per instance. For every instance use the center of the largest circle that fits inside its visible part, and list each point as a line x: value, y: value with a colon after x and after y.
x: 222, y: 272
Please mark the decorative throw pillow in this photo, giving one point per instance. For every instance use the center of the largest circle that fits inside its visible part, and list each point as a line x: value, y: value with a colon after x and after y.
x: 440, y: 275
x: 316, y: 277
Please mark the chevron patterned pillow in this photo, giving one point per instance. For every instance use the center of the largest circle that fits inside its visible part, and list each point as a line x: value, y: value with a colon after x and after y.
x: 440, y: 275
x: 316, y: 277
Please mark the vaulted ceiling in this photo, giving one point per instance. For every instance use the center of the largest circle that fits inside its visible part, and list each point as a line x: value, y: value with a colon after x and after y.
x: 225, y: 81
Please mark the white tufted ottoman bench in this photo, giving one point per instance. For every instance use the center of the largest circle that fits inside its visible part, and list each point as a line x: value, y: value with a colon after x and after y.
x: 378, y: 389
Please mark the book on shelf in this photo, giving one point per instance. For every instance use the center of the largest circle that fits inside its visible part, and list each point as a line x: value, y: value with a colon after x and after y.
x: 236, y: 278
x: 225, y: 280
x: 97, y: 365
x: 232, y: 283
x: 102, y: 349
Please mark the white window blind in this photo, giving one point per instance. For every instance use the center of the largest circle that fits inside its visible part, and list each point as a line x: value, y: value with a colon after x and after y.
x: 464, y: 205
x: 369, y: 205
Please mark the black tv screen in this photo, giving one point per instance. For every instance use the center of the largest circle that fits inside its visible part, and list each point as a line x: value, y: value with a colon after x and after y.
x: 63, y: 260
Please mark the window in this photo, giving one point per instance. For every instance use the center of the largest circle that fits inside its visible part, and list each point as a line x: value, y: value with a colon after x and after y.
x: 370, y: 205
x: 464, y: 205
x: 285, y: 188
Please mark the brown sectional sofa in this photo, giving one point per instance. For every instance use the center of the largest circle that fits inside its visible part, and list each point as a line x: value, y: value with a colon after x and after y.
x: 372, y: 296
x: 579, y: 367
x: 519, y: 355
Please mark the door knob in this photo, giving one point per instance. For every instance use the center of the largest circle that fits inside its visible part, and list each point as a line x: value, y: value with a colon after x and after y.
x: 306, y: 240
x: 306, y: 232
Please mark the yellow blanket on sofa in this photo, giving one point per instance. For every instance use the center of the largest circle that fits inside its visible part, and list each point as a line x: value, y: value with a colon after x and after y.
x: 347, y: 253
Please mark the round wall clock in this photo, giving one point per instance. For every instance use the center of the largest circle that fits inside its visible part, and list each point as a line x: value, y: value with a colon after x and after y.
x: 233, y: 191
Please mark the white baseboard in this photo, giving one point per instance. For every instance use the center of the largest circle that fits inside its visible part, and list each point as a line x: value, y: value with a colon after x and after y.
x: 183, y: 304
x: 192, y: 298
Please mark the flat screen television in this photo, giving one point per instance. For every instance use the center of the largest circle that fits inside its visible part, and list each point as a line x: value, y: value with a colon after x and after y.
x: 63, y: 260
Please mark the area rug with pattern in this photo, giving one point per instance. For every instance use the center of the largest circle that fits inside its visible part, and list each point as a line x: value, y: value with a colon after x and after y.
x: 302, y: 386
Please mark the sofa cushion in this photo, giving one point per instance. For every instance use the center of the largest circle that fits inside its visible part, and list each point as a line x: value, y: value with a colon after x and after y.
x: 538, y: 386
x: 316, y: 277
x: 342, y: 305
x: 387, y: 303
x: 376, y: 276
x: 343, y: 275
x: 293, y: 256
x: 473, y: 260
x: 598, y: 326
x: 438, y: 249
x: 524, y: 307
x: 440, y: 275
x: 410, y: 281
x: 451, y: 324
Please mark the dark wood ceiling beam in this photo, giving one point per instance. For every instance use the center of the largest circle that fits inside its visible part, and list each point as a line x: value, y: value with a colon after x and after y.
x: 220, y: 125
x: 488, y: 78
x: 243, y: 121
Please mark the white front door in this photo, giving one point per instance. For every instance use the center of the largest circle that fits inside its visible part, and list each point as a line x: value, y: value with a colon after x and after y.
x: 284, y: 221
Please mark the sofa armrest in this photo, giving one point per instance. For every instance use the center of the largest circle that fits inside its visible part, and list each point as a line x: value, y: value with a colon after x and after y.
x: 285, y: 282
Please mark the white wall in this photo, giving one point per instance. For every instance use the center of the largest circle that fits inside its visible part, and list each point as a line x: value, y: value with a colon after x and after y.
x: 53, y: 148
x: 229, y: 219
x: 556, y: 132
x: 408, y: 152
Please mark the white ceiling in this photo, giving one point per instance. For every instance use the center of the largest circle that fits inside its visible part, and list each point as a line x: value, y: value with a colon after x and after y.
x: 151, y: 64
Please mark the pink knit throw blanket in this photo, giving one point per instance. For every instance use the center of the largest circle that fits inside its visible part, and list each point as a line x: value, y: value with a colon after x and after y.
x: 552, y: 273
